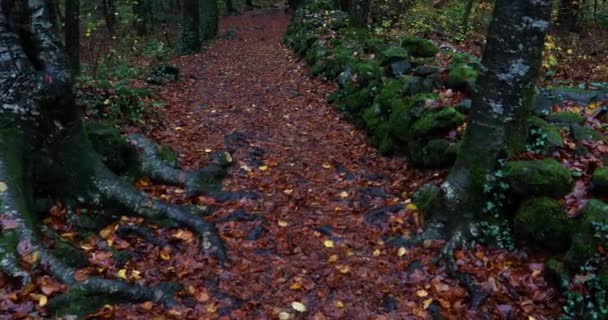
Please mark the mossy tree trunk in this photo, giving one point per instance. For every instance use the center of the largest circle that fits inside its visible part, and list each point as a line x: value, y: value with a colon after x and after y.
x: 568, y: 14
x: 141, y: 18
x: 189, y: 29
x: 209, y: 19
x: 502, y: 104
x: 45, y: 151
x: 357, y: 9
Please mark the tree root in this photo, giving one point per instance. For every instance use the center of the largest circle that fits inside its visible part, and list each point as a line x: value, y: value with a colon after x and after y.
x: 141, y: 232
x: 459, y: 238
x: 202, y: 181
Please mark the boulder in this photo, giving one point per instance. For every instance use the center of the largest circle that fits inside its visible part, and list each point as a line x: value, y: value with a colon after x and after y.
x: 419, y: 47
x: 436, y: 121
x: 584, y: 243
x: 538, y: 178
x: 565, y: 118
x: 544, y: 223
x: 600, y: 181
x: 541, y: 129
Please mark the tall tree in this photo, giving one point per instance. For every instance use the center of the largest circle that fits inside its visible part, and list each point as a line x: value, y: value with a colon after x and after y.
x: 357, y: 9
x: 209, y: 19
x: 230, y: 7
x: 189, y: 28
x: 44, y: 150
x: 568, y: 13
x: 141, y: 17
x: 72, y: 34
x: 109, y: 14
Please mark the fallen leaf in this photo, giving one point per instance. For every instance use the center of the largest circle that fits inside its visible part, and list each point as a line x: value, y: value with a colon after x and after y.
x: 328, y: 244
x: 298, y: 306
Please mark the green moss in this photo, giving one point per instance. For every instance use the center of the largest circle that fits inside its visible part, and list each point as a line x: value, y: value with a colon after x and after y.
x: 565, y: 117
x: 584, y: 243
x: 582, y: 133
x: 69, y: 255
x: 381, y: 139
x: 413, y: 85
x: 462, y: 77
x: 600, y: 180
x: 543, y: 222
x: 167, y: 155
x: 392, y: 89
x: 555, y: 272
x: 436, y: 121
x: 392, y: 54
x: 372, y: 117
x: 404, y: 113
x: 367, y: 70
x: 538, y: 178
x: 552, y: 139
x: 419, y: 47
x: 358, y: 100
x: 109, y: 143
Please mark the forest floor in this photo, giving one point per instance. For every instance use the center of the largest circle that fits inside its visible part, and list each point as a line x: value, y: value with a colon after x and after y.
x: 309, y: 245
x: 314, y: 234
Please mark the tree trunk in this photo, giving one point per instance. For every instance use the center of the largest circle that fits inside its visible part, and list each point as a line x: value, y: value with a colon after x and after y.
x: 109, y: 11
x: 230, y: 7
x: 72, y: 34
x: 190, y: 35
x: 140, y: 24
x: 44, y: 150
x: 502, y: 104
x: 359, y: 12
x: 568, y: 14
x: 466, y: 17
x: 209, y: 19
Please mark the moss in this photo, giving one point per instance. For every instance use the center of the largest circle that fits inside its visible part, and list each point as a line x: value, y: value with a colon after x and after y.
x: 367, y: 71
x: 433, y: 122
x: 548, y: 132
x: 381, y: 139
x: 69, y: 255
x: 109, y: 143
x: 428, y: 200
x: 565, y: 117
x: 435, y: 153
x: 462, y: 77
x: 404, y: 113
x: 167, y: 156
x: 392, y: 89
x: 600, y: 180
x: 413, y: 85
x: 538, y: 178
x: 358, y: 100
x: 585, y: 244
x: 392, y: 54
x: 372, y: 117
x: 419, y: 47
x: 543, y: 222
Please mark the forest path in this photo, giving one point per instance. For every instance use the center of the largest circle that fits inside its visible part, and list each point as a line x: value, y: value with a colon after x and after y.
x: 314, y: 234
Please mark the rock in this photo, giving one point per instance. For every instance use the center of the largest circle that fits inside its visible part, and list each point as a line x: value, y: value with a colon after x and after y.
x: 392, y: 54
x: 404, y: 113
x: 419, y: 47
x: 423, y: 71
x: 544, y: 223
x: 436, y: 121
x: 581, y: 133
x: 600, y: 181
x: 435, y: 153
x: 584, y: 243
x: 345, y: 77
x: 549, y: 97
x: 464, y: 106
x: 431, y: 82
x: 398, y: 68
x: 565, y: 118
x: 538, y: 178
x: 413, y: 85
x: 541, y: 129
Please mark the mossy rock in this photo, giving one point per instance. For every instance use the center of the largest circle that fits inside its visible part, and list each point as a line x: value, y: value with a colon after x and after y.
x: 401, y: 120
x: 565, y: 118
x: 419, y: 47
x: 600, y: 181
x: 543, y: 223
x: 436, y: 121
x: 367, y: 71
x: 583, y: 133
x: 413, y: 85
x: 392, y: 89
x: 382, y: 140
x: 357, y: 100
x: 552, y: 138
x: 462, y: 77
x: 538, y: 178
x: 584, y: 243
x: 556, y: 272
x: 373, y: 117
x: 435, y: 153
x: 392, y: 54
x: 428, y: 200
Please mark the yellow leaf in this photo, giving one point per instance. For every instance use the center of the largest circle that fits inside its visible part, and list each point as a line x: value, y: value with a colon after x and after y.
x: 284, y: 315
x: 427, y: 303
x: 298, y: 306
x: 287, y: 191
x: 531, y: 318
x: 339, y: 304
x: 295, y: 286
x: 343, y: 269
x: 263, y: 168
x: 333, y: 258
x: 107, y: 231
x: 411, y: 207
x: 3, y: 186
x: 344, y: 194
x: 377, y: 252
x: 328, y: 244
x: 165, y: 255
x: 401, y: 251
x: 326, y: 166
x: 135, y: 274
x: 422, y: 293
x: 122, y: 273
x: 283, y: 223
x: 43, y: 300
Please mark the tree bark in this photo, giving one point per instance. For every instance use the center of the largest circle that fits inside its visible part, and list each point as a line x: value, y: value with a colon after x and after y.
x: 502, y: 104
x: 359, y: 12
x: 141, y: 23
x: 190, y: 35
x: 209, y: 19
x: 109, y: 11
x: 72, y: 34
x: 568, y: 14
x: 230, y: 7
x: 466, y: 17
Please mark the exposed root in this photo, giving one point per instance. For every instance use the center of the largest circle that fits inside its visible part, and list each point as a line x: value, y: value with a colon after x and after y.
x: 203, y: 181
x: 460, y: 239
x: 141, y: 232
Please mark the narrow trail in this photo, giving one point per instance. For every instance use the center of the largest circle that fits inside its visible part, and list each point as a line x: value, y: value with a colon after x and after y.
x: 314, y: 233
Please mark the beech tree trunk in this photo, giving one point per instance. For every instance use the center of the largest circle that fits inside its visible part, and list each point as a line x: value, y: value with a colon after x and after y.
x: 109, y: 10
x: 72, y: 34
x: 357, y: 9
x: 503, y: 102
x: 568, y: 14
x: 189, y: 27
x: 141, y: 19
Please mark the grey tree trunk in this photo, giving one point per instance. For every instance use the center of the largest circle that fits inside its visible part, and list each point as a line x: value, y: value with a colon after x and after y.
x: 359, y: 12
x: 209, y: 19
x: 141, y: 19
x: 502, y: 104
